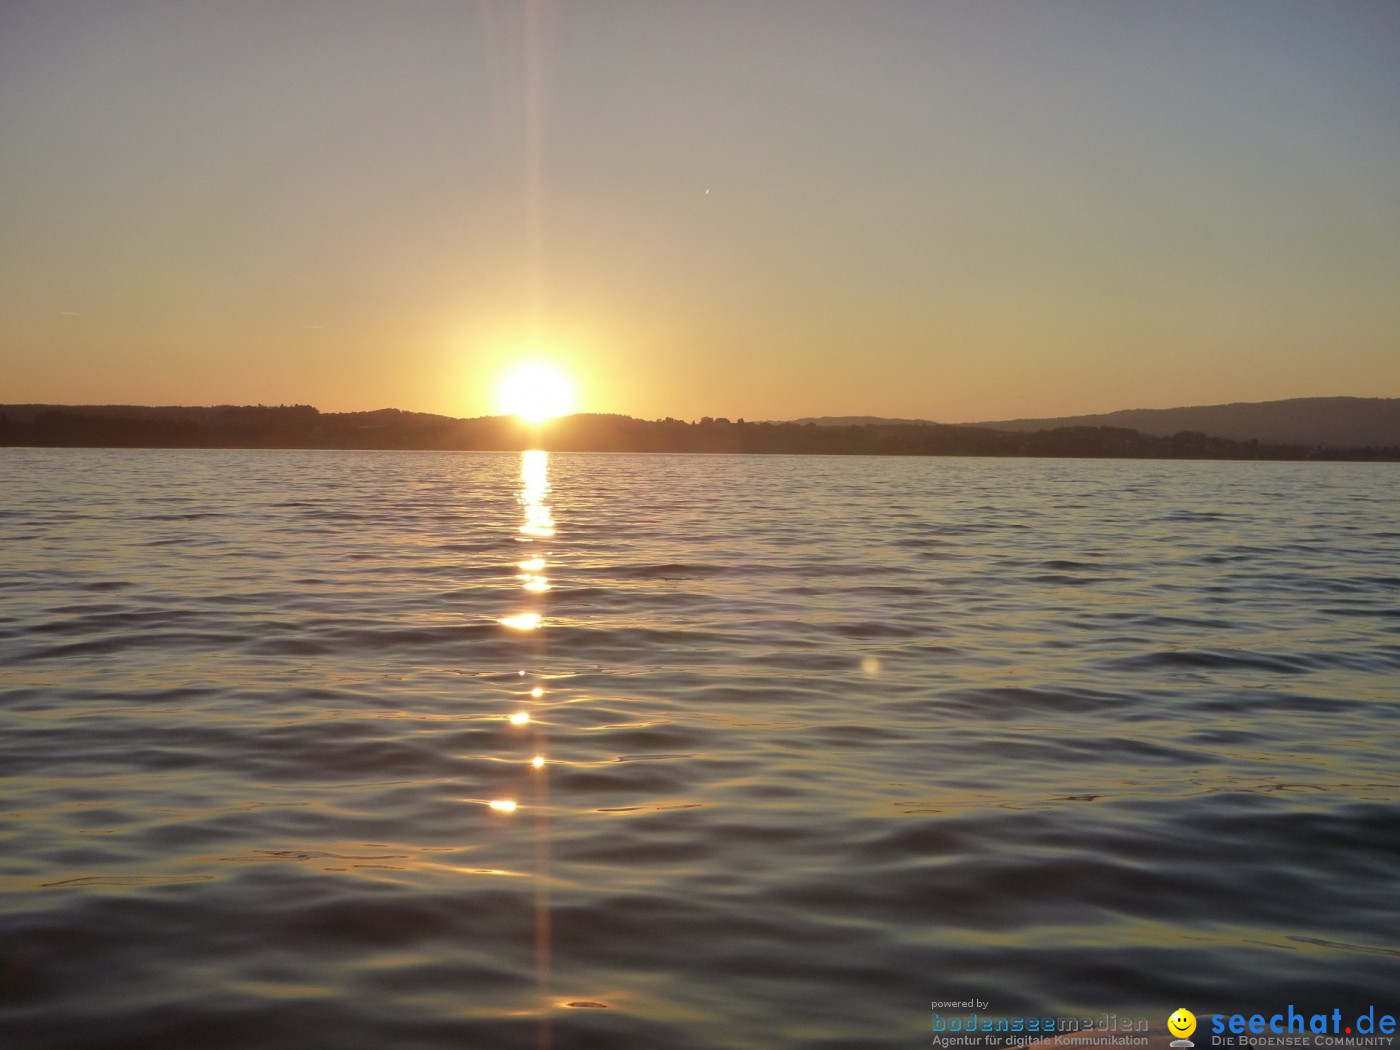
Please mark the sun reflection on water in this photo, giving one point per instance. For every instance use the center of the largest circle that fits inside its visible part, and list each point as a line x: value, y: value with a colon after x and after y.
x: 534, y: 473
x: 538, y: 525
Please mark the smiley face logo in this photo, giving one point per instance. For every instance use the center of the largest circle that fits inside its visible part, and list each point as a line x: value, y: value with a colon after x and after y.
x: 1182, y: 1023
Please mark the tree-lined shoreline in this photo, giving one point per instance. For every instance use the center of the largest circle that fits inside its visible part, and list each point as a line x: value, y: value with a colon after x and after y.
x: 304, y: 427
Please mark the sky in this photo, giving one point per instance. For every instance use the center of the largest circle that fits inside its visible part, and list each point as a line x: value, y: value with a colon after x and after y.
x: 955, y: 211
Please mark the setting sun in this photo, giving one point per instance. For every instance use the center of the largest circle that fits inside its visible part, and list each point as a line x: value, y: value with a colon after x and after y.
x: 536, y: 392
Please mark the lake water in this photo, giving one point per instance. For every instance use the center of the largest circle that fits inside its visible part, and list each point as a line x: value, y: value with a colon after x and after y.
x: 823, y: 740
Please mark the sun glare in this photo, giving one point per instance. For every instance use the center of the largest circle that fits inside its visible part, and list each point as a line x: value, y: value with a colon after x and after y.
x: 536, y: 392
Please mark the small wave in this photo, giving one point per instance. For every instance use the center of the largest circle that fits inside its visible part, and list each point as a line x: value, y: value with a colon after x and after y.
x: 1217, y: 659
x: 128, y: 880
x: 1012, y: 701
x: 666, y: 571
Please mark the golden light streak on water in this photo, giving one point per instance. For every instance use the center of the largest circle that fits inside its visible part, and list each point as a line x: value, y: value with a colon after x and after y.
x: 538, y: 524
x: 534, y: 475
x: 520, y: 718
x: 534, y: 472
x: 521, y: 621
x: 503, y: 805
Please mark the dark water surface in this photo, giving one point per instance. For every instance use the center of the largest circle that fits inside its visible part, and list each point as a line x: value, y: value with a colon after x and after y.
x: 825, y: 739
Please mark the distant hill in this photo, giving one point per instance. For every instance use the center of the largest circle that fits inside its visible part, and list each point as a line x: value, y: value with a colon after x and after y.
x: 1300, y: 423
x: 864, y: 421
x: 1331, y: 422
x: 1328, y: 422
x: 205, y: 413
x: 302, y: 426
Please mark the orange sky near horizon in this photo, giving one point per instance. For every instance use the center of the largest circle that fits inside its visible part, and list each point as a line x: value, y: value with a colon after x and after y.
x: 960, y: 211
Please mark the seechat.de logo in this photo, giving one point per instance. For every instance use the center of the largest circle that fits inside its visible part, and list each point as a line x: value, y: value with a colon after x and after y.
x: 1181, y: 1024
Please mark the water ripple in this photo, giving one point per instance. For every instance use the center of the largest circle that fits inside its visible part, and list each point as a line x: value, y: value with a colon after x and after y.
x: 793, y: 746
